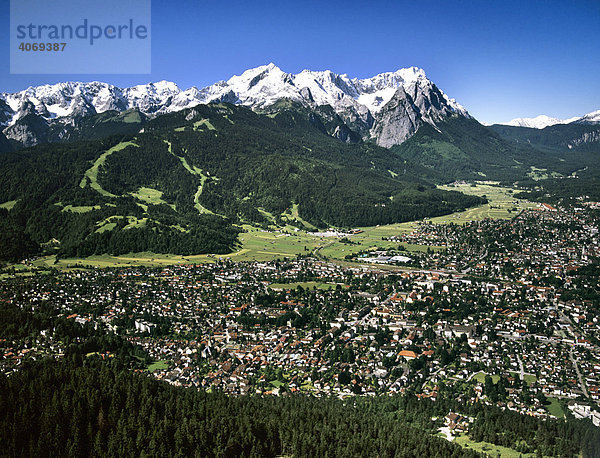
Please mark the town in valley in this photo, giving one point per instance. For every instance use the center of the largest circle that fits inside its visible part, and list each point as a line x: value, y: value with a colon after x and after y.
x: 503, y: 312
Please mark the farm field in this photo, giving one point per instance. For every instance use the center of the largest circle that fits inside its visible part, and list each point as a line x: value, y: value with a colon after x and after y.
x: 501, y: 205
x: 277, y: 243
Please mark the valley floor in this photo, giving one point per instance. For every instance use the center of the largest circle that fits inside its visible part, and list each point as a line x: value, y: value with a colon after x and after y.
x: 483, y: 316
x: 281, y: 242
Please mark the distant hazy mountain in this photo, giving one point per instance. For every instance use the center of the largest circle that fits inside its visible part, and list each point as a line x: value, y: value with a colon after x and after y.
x: 388, y: 108
x: 539, y: 122
x: 542, y: 121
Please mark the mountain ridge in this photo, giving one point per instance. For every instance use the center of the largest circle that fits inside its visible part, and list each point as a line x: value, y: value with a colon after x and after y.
x: 543, y: 121
x: 366, y: 104
x: 192, y: 178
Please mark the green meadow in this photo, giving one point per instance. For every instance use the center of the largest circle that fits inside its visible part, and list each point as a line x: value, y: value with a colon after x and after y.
x: 554, y: 408
x: 258, y: 244
x: 489, y: 449
x: 158, y: 366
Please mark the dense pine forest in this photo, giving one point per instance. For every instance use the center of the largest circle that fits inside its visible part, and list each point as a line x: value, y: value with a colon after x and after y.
x: 52, y: 408
x: 59, y: 409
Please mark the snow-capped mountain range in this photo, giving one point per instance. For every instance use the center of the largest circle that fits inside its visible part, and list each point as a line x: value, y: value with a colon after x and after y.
x: 389, y: 107
x: 542, y: 121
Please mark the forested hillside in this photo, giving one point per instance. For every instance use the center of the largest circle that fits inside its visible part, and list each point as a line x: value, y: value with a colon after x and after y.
x: 464, y: 149
x: 185, y: 182
x: 570, y: 138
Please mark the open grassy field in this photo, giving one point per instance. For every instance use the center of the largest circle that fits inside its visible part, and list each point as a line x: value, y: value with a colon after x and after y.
x: 203, y: 123
x: 197, y: 204
x: 80, y: 209
x: 292, y: 214
x: 289, y: 241
x: 488, y: 448
x: 127, y: 260
x: 530, y: 379
x: 541, y: 174
x: 158, y: 366
x: 480, y: 377
x: 554, y: 408
x: 151, y: 196
x: 261, y: 245
x: 370, y: 238
x: 20, y: 273
x: 501, y: 205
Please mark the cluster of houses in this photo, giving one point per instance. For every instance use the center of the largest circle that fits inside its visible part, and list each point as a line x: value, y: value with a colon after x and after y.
x: 473, y: 310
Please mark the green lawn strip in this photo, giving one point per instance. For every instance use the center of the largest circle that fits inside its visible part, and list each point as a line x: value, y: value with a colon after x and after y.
x: 197, y: 204
x: 480, y: 377
x: 204, y: 123
x: 194, y: 171
x: 292, y: 215
x: 131, y: 259
x: 266, y: 214
x: 91, y: 175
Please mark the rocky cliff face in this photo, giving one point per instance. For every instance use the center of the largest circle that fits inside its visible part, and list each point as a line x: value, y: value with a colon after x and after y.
x: 388, y: 107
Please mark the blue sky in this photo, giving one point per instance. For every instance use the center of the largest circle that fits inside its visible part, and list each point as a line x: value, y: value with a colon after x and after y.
x: 500, y: 59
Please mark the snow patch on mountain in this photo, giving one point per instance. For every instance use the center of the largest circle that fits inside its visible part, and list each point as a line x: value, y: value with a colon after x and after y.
x: 542, y: 121
x: 358, y: 102
x: 539, y: 122
x: 590, y: 118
